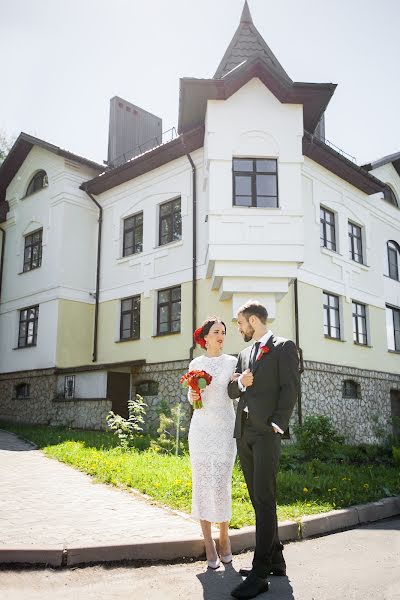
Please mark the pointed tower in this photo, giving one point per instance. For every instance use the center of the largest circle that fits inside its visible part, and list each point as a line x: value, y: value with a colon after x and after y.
x: 248, y: 43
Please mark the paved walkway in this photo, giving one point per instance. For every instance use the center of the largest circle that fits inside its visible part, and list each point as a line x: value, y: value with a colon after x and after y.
x: 44, y: 502
x: 53, y: 514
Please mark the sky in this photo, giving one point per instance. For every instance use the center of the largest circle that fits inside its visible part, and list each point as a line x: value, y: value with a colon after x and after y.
x: 63, y: 60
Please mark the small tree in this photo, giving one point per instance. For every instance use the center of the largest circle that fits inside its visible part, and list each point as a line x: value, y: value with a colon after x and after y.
x: 170, y: 431
x: 5, y: 146
x: 127, y: 429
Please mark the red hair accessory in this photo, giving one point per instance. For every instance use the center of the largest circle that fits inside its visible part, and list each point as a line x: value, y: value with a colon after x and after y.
x: 198, y: 339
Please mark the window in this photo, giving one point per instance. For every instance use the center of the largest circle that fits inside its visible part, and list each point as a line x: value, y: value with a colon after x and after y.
x: 22, y: 390
x: 393, y: 327
x: 170, y: 223
x: 351, y: 389
x: 130, y: 318
x: 133, y: 234
x: 28, y: 325
x: 327, y: 229
x: 359, y: 323
x: 331, y: 316
x: 33, y: 250
x: 393, y: 253
x: 37, y: 182
x: 69, y: 386
x: 147, y: 388
x: 255, y: 182
x: 169, y: 311
x: 355, y: 243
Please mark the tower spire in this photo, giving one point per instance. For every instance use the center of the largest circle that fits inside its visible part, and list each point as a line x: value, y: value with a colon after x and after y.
x: 246, y: 16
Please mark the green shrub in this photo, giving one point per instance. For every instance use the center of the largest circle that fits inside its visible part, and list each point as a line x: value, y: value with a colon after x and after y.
x: 171, y: 433
x: 127, y: 430
x: 396, y: 455
x: 317, y: 437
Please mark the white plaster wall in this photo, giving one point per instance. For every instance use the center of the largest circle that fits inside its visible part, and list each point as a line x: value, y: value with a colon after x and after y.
x: 157, y: 266
x: 87, y: 385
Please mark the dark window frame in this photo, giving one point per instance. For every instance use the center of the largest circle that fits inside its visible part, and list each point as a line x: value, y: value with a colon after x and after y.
x: 69, y: 390
x: 324, y: 225
x: 393, y: 249
x: 355, y: 233
x: 351, y: 389
x: 37, y: 183
x: 169, y: 304
x: 30, y: 245
x: 173, y: 219
x: 396, y: 330
x: 133, y: 311
x: 137, y: 229
x: 24, y: 337
x: 327, y: 311
x: 252, y: 175
x: 22, y: 391
x: 359, y: 313
x: 152, y: 388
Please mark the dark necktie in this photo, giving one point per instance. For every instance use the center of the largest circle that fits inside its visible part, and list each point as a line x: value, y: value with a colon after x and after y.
x: 254, y: 355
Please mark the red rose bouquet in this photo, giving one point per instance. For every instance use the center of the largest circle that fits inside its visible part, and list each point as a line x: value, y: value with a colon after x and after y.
x: 197, y: 381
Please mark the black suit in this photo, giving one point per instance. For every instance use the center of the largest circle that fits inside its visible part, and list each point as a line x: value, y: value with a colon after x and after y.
x: 270, y: 399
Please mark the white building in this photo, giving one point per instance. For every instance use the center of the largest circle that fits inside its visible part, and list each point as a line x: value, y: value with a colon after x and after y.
x: 118, y: 267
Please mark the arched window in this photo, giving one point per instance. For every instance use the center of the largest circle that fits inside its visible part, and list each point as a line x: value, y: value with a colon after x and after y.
x: 390, y: 195
x: 147, y: 388
x: 393, y: 254
x: 38, y: 181
x: 351, y: 389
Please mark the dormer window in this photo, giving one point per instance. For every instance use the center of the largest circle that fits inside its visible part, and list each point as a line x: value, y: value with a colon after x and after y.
x: 38, y: 182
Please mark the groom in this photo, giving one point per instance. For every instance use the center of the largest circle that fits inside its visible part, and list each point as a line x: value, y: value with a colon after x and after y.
x: 268, y: 388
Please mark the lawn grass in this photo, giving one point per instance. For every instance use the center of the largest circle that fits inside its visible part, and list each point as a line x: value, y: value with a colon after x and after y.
x: 303, y: 488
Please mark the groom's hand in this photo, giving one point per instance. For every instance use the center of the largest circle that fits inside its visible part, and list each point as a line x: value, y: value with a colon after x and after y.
x: 247, y: 378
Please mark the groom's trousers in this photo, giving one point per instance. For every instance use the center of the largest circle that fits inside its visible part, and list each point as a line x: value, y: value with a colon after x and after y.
x: 259, y: 456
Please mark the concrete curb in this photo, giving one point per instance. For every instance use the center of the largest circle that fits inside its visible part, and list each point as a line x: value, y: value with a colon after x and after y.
x: 192, y: 547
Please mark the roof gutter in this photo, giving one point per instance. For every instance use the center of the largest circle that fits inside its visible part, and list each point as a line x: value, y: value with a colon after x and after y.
x: 194, y: 247
x: 97, y: 292
x: 299, y: 350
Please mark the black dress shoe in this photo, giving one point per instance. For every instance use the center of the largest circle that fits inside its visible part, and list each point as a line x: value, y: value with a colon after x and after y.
x: 251, y: 587
x: 277, y: 570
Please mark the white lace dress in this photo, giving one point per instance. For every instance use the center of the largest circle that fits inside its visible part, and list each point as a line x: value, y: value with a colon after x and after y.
x: 211, y: 444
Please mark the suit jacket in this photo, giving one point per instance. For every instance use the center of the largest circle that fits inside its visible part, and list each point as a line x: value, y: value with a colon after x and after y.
x: 273, y: 395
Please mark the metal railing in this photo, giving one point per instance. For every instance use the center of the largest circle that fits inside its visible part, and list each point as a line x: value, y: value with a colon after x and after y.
x: 154, y: 142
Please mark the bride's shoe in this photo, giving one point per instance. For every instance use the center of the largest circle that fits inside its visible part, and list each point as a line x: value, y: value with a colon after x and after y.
x: 214, y: 564
x: 226, y: 558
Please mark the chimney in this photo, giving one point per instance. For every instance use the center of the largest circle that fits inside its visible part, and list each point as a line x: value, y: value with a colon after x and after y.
x: 132, y: 131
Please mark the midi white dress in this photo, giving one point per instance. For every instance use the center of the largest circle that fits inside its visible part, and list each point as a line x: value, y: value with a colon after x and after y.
x: 212, y: 447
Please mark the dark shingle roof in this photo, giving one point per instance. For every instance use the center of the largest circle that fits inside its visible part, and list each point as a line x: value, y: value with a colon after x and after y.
x: 248, y: 43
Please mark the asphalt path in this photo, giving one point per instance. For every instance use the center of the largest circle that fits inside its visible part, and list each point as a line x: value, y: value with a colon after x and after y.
x: 359, y: 564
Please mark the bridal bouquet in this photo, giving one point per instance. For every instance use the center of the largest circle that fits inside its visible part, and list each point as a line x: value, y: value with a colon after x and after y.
x: 197, y: 380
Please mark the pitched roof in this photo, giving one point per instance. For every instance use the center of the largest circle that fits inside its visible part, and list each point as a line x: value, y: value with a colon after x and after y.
x: 390, y: 158
x: 18, y: 153
x: 194, y: 93
x: 247, y: 43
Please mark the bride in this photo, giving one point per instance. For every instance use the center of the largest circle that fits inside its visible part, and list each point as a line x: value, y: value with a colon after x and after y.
x: 212, y: 447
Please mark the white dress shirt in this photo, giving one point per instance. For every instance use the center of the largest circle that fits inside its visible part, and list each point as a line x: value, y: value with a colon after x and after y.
x: 263, y: 340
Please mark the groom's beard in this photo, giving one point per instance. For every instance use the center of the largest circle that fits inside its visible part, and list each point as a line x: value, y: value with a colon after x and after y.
x: 248, y: 335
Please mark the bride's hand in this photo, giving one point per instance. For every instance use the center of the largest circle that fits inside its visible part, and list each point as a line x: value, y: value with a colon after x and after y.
x: 235, y: 376
x: 193, y: 396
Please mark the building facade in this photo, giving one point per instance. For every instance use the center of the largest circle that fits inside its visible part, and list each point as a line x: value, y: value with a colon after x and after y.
x: 106, y: 273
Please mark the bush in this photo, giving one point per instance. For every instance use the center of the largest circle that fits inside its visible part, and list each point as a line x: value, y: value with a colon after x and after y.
x: 396, y: 455
x: 317, y: 438
x: 171, y: 433
x: 127, y: 430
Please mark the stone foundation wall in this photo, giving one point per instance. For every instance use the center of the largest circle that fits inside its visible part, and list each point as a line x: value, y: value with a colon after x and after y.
x: 167, y: 376
x: 44, y: 408
x: 357, y: 419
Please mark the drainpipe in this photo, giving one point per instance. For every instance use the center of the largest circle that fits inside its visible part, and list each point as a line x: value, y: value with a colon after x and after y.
x: 97, y: 293
x: 300, y: 351
x: 3, y: 245
x: 194, y: 249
